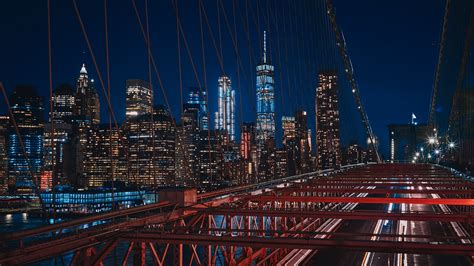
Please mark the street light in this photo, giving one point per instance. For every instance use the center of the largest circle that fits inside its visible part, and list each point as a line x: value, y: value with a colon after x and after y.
x: 437, y: 151
x: 451, y: 145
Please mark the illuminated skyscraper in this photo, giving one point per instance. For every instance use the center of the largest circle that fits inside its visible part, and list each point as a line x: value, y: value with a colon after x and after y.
x: 327, y: 121
x: 139, y: 98
x: 290, y: 145
x: 4, y: 124
x: 151, y: 149
x: 101, y: 156
x: 187, y: 135
x: 247, y: 140
x: 248, y: 152
x: 57, y: 155
x: 87, y: 100
x: 265, y: 100
x: 63, y: 104
x: 225, y: 116
x: 24, y: 166
x: 197, y: 96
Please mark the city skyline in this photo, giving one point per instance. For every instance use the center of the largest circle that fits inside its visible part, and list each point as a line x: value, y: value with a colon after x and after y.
x: 65, y: 71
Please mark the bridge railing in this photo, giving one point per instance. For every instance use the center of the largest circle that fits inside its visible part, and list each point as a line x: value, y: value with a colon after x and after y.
x: 275, y: 182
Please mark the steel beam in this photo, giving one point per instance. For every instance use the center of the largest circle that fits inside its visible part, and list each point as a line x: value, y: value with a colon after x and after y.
x: 428, y: 201
x: 306, y: 243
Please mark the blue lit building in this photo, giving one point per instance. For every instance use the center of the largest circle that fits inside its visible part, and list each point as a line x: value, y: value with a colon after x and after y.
x: 98, y: 200
x: 265, y: 100
x: 24, y: 166
x: 197, y: 96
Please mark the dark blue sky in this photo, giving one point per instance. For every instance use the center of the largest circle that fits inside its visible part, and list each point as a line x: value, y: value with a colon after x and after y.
x: 393, y: 46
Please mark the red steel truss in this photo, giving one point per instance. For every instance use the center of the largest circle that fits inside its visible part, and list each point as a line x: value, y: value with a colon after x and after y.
x: 266, y: 223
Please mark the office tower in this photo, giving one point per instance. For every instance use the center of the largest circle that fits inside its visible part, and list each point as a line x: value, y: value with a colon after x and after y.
x: 209, y: 159
x: 225, y: 116
x: 187, y: 135
x: 87, y: 100
x: 247, y: 141
x: 57, y: 155
x: 139, y: 98
x: 101, y: 155
x: 63, y: 104
x: 327, y: 121
x: 25, y: 152
x: 281, y: 164
x: 4, y: 124
x: 290, y: 144
x: 151, y: 148
x: 302, y: 139
x: 80, y: 129
x: 265, y: 100
x: 248, y: 152
x: 198, y: 96
x: 406, y: 139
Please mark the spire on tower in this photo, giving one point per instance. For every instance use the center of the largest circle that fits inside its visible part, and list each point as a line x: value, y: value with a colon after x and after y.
x: 264, y: 46
x: 83, y: 69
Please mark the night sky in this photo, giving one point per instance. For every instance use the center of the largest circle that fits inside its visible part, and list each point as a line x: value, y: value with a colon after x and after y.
x: 393, y: 46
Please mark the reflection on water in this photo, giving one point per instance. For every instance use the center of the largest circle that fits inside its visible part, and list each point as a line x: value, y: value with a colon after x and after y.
x: 19, y: 221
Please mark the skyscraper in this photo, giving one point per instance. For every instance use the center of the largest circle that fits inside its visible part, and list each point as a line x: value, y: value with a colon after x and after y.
x: 197, y: 96
x: 302, y: 139
x: 187, y: 135
x: 265, y: 100
x: 327, y: 121
x: 139, y: 98
x: 4, y: 124
x: 151, y: 148
x: 63, y: 104
x: 25, y: 151
x: 225, y: 116
x: 87, y: 100
x: 290, y: 145
x: 248, y: 152
x: 57, y: 155
x: 101, y: 156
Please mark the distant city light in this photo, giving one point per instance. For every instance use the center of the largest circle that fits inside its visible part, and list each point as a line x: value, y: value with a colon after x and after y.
x: 429, y: 156
x: 417, y: 154
x: 431, y: 140
x: 437, y: 151
x: 451, y: 145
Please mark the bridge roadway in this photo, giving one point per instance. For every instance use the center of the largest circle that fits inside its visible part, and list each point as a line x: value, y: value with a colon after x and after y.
x: 365, y: 214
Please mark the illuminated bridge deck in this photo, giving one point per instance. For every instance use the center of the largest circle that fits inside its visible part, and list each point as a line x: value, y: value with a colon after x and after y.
x: 376, y: 214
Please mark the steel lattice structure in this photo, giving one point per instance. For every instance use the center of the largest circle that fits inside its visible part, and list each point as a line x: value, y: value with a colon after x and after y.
x: 279, y: 221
